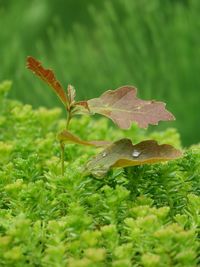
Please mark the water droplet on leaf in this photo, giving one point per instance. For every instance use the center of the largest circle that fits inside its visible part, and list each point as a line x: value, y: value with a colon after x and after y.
x: 136, y: 153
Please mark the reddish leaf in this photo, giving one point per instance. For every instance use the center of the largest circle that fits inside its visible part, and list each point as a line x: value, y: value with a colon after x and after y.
x: 71, y: 93
x: 123, y: 153
x: 48, y: 76
x: 67, y: 137
x: 82, y: 107
x: 123, y: 107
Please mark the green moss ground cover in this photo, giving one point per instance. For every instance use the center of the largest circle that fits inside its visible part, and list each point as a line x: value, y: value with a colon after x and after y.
x: 138, y: 216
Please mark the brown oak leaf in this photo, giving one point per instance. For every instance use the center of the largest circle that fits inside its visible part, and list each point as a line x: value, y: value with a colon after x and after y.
x: 123, y: 153
x: 48, y: 76
x: 67, y: 137
x: 123, y: 107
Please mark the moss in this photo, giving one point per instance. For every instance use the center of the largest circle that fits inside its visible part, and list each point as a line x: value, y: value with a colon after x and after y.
x: 138, y: 216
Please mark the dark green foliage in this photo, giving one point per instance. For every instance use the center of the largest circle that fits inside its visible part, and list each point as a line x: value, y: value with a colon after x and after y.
x: 139, y: 216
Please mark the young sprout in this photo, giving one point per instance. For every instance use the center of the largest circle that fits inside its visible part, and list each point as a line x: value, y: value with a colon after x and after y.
x: 121, y: 106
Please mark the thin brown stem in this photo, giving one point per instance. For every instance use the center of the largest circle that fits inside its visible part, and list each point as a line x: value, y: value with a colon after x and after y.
x: 69, y: 116
x: 70, y: 113
x: 62, y: 147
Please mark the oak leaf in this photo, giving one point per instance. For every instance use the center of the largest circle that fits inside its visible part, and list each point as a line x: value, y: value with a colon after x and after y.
x: 71, y: 93
x: 123, y: 153
x: 67, y: 137
x: 123, y: 107
x: 48, y: 76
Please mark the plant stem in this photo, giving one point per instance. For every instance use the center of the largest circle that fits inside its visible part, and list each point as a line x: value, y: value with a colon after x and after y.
x: 69, y: 116
x: 68, y: 120
x: 62, y: 146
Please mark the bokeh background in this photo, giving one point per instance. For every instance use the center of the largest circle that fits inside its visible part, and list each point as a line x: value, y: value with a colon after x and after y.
x: 99, y: 45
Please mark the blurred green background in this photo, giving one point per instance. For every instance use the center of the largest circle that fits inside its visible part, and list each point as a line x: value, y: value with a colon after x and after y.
x: 99, y: 45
